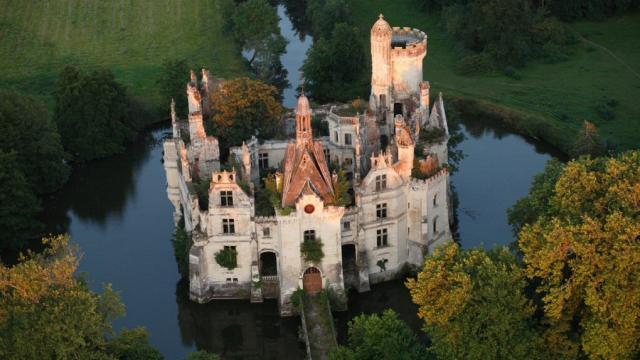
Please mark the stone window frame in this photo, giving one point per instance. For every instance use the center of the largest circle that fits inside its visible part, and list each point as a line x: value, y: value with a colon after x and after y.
x: 228, y: 226
x: 263, y: 160
x: 309, y: 235
x: 266, y: 232
x: 381, y: 211
x: 435, y: 225
x: 346, y: 226
x: 435, y: 200
x: 347, y: 139
x: 381, y: 182
x: 226, y: 198
x: 382, y: 237
x: 336, y: 138
x: 348, y: 161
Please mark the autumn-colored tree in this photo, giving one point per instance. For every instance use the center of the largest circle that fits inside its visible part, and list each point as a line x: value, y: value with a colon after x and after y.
x: 47, y: 313
x: 583, y: 251
x: 243, y: 107
x: 474, y: 305
x: 588, y: 142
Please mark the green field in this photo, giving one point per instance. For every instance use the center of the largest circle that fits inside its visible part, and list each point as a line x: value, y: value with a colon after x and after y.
x: 562, y: 95
x: 131, y: 37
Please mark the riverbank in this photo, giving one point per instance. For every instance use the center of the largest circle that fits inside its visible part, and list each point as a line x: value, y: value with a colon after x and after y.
x: 550, y: 101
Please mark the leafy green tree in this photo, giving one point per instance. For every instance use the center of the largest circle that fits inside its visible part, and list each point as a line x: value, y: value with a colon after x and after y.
x: 172, y: 83
x: 474, y: 305
x: 202, y: 355
x: 333, y: 69
x: 256, y: 27
x: 583, y: 254
x: 325, y: 14
x: 18, y: 205
x: 133, y: 345
x: 91, y: 112
x: 243, y: 107
x: 181, y: 242
x: 27, y: 130
x: 341, y: 187
x: 383, y: 337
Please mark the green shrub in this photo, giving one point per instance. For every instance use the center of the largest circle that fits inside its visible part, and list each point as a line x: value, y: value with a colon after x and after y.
x: 432, y: 135
x: 181, y: 242
x: 227, y: 257
x: 297, y: 297
x: 511, y: 72
x: 312, y: 250
x: 475, y: 64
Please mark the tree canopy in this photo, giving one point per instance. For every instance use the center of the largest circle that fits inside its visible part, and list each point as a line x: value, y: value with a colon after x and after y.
x: 28, y: 131
x: 582, y: 249
x: 334, y: 67
x: 18, y: 204
x: 172, y: 83
x: 92, y: 113
x: 380, y: 336
x: 243, y: 107
x: 474, y: 305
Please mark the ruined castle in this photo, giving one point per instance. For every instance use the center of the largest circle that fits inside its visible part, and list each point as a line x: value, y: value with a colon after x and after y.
x: 399, y: 179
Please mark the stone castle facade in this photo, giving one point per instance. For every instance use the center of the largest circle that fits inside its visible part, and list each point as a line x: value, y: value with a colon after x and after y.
x: 400, y: 211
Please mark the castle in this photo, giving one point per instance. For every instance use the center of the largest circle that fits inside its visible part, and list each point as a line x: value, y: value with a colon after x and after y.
x: 400, y: 207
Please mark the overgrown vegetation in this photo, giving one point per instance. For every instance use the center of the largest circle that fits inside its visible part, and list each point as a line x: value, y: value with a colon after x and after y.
x: 227, y: 257
x: 312, y: 250
x: 181, y: 241
x: 341, y: 187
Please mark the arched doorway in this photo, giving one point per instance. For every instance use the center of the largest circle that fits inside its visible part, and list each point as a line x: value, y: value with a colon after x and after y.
x: 312, y: 280
x: 269, y: 274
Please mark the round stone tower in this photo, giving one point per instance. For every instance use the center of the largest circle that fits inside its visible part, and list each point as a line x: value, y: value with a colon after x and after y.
x: 381, y: 34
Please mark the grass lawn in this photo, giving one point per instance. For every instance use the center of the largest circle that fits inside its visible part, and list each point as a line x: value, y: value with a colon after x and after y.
x: 560, y: 95
x: 131, y: 37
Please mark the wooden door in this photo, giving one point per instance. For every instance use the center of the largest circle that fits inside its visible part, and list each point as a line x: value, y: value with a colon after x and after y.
x: 312, y: 280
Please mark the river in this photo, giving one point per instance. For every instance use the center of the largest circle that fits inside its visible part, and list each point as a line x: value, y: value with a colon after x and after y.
x: 117, y: 211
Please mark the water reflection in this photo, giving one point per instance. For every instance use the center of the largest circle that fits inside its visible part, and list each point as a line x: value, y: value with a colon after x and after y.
x: 497, y: 171
x: 297, y: 48
x: 238, y: 329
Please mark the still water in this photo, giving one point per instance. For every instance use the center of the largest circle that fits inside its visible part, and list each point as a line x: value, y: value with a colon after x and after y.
x: 117, y: 211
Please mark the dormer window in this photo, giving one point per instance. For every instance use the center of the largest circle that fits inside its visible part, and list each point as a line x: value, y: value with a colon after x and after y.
x: 381, y: 182
x: 226, y: 198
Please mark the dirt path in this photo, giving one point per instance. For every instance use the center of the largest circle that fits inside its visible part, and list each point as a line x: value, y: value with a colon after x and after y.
x: 602, y: 47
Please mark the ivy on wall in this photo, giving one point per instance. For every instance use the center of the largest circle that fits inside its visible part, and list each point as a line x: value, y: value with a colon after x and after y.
x: 228, y: 258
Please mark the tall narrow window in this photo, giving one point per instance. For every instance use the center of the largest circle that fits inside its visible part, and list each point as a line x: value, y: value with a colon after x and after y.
x: 335, y: 137
x: 435, y: 200
x: 263, y: 161
x: 309, y: 235
x: 228, y: 226
x: 266, y: 232
x: 381, y: 211
x: 381, y: 237
x: 435, y: 225
x: 347, y: 139
x: 226, y: 198
x: 381, y: 182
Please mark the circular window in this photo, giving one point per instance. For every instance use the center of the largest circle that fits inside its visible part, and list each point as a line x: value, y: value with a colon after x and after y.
x: 309, y: 209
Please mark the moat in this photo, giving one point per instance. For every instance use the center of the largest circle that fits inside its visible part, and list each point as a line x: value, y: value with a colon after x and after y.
x: 116, y: 210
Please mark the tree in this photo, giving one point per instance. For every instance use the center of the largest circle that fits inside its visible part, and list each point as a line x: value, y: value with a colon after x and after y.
x: 18, y: 205
x: 382, y: 337
x: 91, y: 111
x: 181, y: 242
x: 27, y: 130
x: 341, y: 186
x: 588, y: 142
x: 474, y: 305
x: 172, y: 82
x: 583, y: 253
x: 243, y: 107
x: 334, y: 66
x: 325, y: 14
x: 47, y: 313
x: 202, y: 355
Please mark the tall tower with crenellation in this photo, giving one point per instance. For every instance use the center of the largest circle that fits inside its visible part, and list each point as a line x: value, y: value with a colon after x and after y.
x: 381, y: 80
